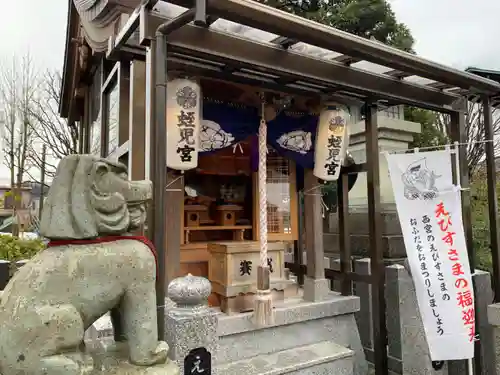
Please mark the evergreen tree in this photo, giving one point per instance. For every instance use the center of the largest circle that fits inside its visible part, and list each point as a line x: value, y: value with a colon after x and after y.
x: 366, y: 18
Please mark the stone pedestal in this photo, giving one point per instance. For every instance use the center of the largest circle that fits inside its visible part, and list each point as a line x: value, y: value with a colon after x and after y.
x: 483, y: 293
x: 316, y: 289
x: 394, y: 134
x: 405, y: 329
x: 113, y: 359
x: 494, y: 321
x: 307, y: 338
x: 190, y: 326
x: 392, y: 239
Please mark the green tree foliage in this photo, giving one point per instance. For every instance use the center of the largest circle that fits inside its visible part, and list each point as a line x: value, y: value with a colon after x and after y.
x: 431, y: 134
x: 480, y: 220
x: 365, y: 18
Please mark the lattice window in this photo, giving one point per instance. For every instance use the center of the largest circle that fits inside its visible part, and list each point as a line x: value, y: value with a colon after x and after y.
x: 112, y: 107
x: 278, y: 193
x: 96, y: 115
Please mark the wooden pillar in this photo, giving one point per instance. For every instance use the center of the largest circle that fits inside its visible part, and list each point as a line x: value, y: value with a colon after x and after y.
x: 137, y: 121
x: 316, y: 287
x: 80, y: 135
x: 493, y: 220
x: 459, y: 134
x: 84, y: 136
x: 174, y: 203
x: 102, y: 108
x: 313, y: 226
x: 149, y: 155
x: 345, y: 239
x: 124, y: 103
x: 376, y: 250
x: 492, y: 195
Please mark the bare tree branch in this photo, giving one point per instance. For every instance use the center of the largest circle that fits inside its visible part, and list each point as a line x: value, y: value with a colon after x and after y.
x: 18, y: 86
x: 60, y: 137
x: 475, y: 132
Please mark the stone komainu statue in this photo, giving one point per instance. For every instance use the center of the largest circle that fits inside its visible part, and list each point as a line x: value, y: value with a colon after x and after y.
x: 51, y: 301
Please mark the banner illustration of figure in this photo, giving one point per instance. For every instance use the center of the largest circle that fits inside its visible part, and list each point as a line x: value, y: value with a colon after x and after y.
x: 420, y: 181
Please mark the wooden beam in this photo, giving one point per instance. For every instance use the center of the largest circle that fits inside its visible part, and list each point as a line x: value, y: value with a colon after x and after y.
x: 233, y: 51
x: 398, y: 74
x: 347, y: 60
x: 284, y: 42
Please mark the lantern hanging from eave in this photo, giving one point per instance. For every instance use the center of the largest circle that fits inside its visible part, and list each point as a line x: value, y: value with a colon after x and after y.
x: 332, y: 140
x: 184, y: 112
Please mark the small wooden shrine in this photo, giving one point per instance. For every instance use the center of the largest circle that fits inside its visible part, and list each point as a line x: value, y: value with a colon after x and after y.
x: 249, y: 108
x: 220, y: 208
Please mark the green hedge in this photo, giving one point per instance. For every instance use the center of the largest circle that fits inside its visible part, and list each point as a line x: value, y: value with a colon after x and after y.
x: 13, y: 248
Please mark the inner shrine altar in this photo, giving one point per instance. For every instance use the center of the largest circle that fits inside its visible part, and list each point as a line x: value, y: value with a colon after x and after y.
x: 224, y: 186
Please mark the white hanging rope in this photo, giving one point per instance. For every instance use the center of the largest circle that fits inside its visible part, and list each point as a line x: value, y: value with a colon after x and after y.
x: 263, y: 191
x: 263, y: 310
x: 417, y: 149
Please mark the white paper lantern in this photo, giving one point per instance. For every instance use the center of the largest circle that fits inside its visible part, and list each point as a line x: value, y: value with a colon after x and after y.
x: 332, y: 139
x: 184, y: 105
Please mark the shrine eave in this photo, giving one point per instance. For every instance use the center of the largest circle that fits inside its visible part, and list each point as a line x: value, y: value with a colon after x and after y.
x: 213, y: 54
x: 253, y: 14
x: 69, y: 58
x: 288, y: 53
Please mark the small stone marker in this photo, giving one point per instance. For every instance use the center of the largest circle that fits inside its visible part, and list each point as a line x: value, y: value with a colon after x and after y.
x: 198, y: 361
x: 191, y: 326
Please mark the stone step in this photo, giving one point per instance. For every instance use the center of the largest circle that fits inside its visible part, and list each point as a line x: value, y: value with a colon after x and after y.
x: 297, y: 323
x: 317, y: 359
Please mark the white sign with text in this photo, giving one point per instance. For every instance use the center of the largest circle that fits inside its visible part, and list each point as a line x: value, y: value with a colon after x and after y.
x: 430, y: 213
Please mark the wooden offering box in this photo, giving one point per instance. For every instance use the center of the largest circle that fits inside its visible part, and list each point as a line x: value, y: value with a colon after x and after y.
x: 232, y: 269
x: 195, y: 214
x: 226, y: 214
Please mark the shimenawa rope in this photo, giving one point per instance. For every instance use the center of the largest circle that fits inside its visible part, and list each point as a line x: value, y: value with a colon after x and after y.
x: 263, y: 310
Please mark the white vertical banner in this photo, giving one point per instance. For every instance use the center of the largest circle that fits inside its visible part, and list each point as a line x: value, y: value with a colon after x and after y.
x: 430, y: 213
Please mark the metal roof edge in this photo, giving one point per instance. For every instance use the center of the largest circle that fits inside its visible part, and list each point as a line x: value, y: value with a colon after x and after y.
x: 285, y: 24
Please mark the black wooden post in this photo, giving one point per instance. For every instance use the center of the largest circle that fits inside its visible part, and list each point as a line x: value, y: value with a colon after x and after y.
x: 376, y: 250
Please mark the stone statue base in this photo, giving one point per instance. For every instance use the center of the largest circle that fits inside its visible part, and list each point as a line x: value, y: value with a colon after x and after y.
x: 113, y: 359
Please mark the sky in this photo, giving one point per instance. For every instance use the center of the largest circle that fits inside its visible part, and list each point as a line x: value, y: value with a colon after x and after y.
x: 35, y: 26
x: 459, y: 33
